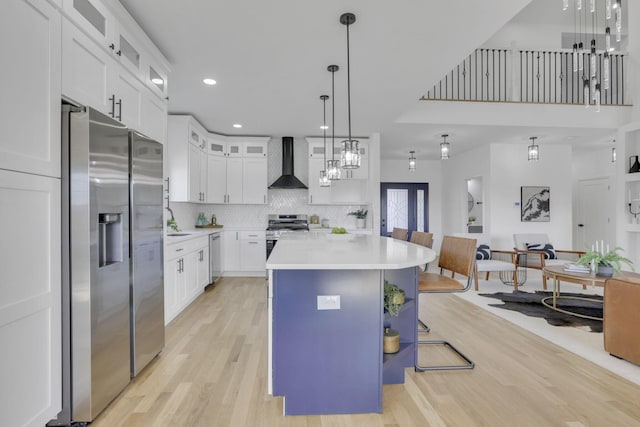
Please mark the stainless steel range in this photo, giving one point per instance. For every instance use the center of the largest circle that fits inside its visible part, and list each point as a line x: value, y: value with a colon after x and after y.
x: 284, y: 223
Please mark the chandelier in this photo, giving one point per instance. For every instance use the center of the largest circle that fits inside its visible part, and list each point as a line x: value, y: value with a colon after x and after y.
x: 412, y: 161
x: 533, y: 150
x: 444, y: 148
x: 586, y: 62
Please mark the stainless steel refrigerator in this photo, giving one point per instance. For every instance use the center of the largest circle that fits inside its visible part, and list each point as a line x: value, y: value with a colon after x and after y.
x: 112, y: 266
x: 147, y: 265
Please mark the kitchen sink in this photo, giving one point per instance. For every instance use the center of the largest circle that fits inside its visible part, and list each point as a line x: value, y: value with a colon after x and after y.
x: 178, y: 234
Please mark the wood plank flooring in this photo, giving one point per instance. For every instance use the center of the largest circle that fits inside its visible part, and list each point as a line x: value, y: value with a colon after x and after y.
x: 213, y: 373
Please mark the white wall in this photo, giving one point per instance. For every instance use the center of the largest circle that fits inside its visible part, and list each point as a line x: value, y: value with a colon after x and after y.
x: 510, y: 170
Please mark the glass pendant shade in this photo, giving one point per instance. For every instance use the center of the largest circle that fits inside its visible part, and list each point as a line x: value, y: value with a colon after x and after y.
x: 596, y: 96
x: 607, y: 40
x: 579, y: 4
x: 592, y: 87
x: 350, y: 154
x: 444, y: 148
x: 565, y: 4
x: 592, y: 59
x: 592, y: 6
x: 614, y: 156
x: 333, y: 170
x: 412, y: 162
x: 324, y: 179
x: 607, y: 9
x: 585, y: 95
x: 574, y: 57
x: 618, y: 34
x: 533, y: 150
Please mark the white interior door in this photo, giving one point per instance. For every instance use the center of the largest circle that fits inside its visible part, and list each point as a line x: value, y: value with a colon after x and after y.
x: 593, y: 219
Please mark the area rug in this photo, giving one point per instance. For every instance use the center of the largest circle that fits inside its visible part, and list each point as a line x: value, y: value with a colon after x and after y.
x: 529, y: 304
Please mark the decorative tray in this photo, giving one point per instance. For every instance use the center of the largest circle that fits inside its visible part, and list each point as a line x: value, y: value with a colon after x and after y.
x: 210, y: 226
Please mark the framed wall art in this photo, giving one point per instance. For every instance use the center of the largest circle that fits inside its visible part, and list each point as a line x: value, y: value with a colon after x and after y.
x: 535, y: 204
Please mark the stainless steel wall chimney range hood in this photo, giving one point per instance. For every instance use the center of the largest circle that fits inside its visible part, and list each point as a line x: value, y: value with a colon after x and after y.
x: 287, y: 180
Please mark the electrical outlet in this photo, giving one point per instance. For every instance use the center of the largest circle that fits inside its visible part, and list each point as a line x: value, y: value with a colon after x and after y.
x: 328, y: 302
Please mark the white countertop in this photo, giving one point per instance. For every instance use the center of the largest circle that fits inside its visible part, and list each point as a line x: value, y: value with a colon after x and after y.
x: 319, y: 251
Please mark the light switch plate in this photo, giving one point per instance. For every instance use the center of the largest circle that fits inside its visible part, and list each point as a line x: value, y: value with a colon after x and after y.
x: 328, y: 302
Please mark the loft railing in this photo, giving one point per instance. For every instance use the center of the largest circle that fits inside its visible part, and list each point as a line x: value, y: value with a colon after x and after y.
x: 494, y: 75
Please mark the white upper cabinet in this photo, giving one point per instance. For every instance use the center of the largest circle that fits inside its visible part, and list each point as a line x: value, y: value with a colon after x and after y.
x: 110, y: 65
x: 187, y: 160
x: 30, y: 87
x: 237, y: 170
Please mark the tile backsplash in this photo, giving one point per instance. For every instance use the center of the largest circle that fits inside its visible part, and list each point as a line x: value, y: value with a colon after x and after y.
x: 280, y: 202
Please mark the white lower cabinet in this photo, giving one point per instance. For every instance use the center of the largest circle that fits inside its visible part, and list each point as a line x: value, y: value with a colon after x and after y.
x: 186, y: 274
x: 245, y: 252
x: 30, y: 303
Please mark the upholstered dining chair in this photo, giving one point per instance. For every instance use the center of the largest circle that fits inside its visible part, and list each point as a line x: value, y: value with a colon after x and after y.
x: 400, y: 233
x: 535, y: 251
x: 457, y: 255
x: 490, y: 260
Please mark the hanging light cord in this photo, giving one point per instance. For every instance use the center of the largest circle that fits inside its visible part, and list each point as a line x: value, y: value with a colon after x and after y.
x: 348, y: 83
x: 333, y: 114
x: 324, y: 129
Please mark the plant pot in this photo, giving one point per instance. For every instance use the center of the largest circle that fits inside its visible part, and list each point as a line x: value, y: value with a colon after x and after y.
x: 605, y: 270
x: 361, y: 222
x: 391, y: 341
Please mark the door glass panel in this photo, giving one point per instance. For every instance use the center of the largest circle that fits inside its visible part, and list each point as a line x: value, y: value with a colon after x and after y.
x: 397, y: 208
x: 130, y: 53
x: 91, y: 14
x: 420, y: 210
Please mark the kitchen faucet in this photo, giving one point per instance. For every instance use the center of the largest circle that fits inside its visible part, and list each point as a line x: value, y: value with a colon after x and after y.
x: 171, y: 212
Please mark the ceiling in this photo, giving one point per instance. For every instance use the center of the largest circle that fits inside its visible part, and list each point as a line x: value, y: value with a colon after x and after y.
x: 270, y: 62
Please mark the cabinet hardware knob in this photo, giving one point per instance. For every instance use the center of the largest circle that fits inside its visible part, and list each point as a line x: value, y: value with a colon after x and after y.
x: 112, y: 46
x: 119, y: 53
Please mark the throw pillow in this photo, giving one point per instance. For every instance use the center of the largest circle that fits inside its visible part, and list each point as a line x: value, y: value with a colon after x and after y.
x: 547, y: 248
x: 483, y: 252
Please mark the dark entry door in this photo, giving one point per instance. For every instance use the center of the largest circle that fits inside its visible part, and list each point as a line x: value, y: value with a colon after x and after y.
x: 404, y: 205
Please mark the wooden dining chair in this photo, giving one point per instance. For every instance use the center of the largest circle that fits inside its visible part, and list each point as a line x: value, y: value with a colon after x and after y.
x: 400, y: 233
x: 457, y: 255
x: 422, y: 238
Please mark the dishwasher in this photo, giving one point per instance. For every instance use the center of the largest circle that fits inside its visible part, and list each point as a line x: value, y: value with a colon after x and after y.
x: 215, y: 257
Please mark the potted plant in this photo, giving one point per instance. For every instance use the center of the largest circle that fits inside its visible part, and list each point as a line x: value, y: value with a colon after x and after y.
x: 393, y: 298
x: 361, y: 215
x: 607, y: 262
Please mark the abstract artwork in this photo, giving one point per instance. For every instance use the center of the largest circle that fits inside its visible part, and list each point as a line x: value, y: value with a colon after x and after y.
x: 534, y: 204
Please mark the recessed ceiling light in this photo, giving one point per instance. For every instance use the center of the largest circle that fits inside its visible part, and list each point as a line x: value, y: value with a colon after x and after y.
x: 324, y: 127
x: 157, y: 80
x: 237, y: 125
x: 209, y: 82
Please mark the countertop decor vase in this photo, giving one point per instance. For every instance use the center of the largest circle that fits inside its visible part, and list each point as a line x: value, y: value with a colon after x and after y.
x: 634, y: 164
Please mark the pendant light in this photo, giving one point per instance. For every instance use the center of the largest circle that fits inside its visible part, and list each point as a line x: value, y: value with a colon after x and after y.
x: 444, y: 148
x: 324, y: 180
x: 534, y: 150
x: 350, y: 155
x: 333, y: 166
x: 614, y: 156
x: 412, y: 161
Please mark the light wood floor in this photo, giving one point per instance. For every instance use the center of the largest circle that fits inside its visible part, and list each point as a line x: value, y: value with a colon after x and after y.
x: 213, y: 373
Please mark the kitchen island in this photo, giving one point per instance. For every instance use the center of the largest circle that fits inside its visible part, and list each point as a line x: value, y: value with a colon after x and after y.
x: 326, y: 320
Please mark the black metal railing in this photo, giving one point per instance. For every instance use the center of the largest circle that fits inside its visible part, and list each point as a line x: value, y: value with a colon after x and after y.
x: 494, y: 75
